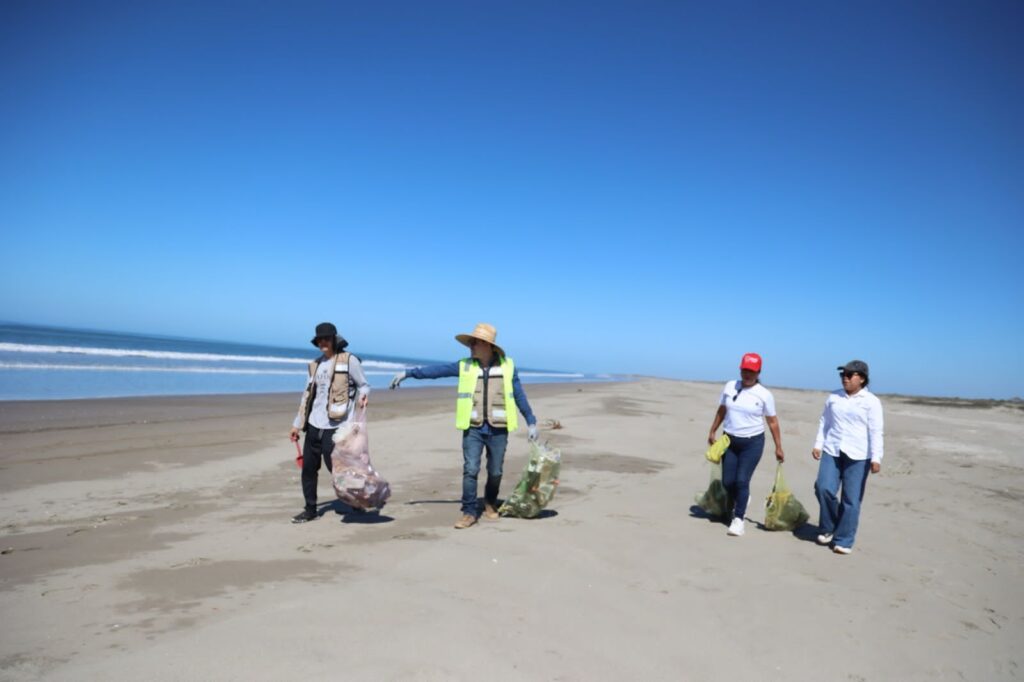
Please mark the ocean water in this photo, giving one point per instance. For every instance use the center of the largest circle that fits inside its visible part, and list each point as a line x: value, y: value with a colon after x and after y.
x: 45, y: 363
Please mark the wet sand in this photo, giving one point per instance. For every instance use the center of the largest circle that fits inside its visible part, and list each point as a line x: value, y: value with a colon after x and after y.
x: 150, y: 538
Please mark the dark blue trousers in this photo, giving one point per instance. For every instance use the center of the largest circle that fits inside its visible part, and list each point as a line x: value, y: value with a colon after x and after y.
x: 738, y: 466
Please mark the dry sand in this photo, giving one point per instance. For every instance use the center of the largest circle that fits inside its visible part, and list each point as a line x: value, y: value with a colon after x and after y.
x: 150, y: 539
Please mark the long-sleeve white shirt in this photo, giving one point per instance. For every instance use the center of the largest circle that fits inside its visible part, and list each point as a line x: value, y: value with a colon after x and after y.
x: 853, y: 424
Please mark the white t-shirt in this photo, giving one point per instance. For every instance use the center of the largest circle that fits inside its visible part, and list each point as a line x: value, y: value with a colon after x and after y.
x: 744, y: 417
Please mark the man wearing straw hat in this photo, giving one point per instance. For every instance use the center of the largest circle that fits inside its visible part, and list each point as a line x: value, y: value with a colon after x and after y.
x: 489, y: 396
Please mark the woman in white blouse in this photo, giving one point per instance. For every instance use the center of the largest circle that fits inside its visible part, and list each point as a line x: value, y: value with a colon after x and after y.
x: 744, y: 408
x: 850, y: 435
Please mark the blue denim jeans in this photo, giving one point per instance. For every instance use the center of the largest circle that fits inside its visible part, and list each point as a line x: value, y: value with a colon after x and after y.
x: 840, y: 512
x: 738, y: 464
x: 474, y: 440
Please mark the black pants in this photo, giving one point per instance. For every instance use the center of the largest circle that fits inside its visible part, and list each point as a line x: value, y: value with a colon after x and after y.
x: 319, y: 445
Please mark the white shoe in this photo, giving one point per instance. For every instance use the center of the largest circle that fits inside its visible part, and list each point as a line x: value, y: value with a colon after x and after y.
x: 736, y: 527
x: 842, y: 550
x: 824, y: 538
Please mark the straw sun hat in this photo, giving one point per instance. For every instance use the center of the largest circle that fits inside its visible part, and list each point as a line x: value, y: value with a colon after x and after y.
x: 483, y: 332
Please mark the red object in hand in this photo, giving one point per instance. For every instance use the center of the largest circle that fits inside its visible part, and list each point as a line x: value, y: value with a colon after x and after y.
x: 298, y: 454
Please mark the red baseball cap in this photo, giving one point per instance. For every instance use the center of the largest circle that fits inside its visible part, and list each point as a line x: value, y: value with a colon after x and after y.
x: 751, y: 361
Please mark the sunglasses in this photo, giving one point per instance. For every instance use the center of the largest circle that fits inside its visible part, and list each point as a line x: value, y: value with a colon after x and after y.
x: 848, y: 375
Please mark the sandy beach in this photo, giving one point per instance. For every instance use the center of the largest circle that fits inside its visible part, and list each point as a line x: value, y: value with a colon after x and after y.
x: 150, y: 539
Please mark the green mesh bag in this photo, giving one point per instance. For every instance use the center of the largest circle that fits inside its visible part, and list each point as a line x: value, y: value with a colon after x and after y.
x: 715, y: 500
x: 537, y: 485
x: 783, y: 511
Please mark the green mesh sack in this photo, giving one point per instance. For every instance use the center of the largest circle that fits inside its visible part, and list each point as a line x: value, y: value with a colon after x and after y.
x: 537, y: 485
x: 783, y: 511
x: 715, y: 500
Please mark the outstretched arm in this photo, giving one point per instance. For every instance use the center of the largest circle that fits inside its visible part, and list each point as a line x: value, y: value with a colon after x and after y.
x: 450, y: 369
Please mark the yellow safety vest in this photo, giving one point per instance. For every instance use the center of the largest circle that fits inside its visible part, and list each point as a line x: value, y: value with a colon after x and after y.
x: 487, y: 397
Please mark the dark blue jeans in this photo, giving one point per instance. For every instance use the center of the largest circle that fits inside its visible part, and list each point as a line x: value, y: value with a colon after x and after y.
x: 738, y: 466
x: 474, y: 441
x: 319, y: 445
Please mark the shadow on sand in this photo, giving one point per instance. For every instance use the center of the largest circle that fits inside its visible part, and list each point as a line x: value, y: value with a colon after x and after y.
x: 352, y: 515
x: 807, y: 532
x: 697, y: 512
x: 544, y: 514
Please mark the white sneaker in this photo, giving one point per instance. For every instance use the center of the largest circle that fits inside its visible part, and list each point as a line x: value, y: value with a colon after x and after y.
x: 842, y: 550
x: 824, y: 538
x: 736, y: 527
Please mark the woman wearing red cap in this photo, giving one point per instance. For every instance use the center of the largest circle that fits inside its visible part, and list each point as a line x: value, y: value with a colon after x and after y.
x: 744, y: 408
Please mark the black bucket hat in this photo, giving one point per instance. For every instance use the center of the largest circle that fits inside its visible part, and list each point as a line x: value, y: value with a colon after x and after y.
x: 328, y: 329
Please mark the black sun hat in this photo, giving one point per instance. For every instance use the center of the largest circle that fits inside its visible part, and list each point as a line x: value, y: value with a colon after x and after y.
x: 328, y: 329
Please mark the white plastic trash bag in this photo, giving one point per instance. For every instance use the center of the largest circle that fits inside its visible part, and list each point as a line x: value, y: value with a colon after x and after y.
x: 356, y: 482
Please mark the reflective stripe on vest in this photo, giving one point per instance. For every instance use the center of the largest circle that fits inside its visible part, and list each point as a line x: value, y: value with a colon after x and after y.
x: 470, y: 375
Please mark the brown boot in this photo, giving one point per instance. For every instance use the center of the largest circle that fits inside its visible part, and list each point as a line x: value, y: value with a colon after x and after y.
x: 490, y: 511
x: 466, y: 521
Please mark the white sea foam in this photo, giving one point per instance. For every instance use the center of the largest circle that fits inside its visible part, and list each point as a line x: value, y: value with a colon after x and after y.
x: 129, y: 368
x: 224, y: 370
x: 381, y: 364
x: 140, y: 353
x: 170, y: 355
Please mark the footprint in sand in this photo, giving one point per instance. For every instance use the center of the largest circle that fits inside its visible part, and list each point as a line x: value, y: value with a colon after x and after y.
x: 313, y: 547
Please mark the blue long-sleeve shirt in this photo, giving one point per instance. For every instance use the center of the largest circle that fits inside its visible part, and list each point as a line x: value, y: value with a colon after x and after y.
x: 451, y: 369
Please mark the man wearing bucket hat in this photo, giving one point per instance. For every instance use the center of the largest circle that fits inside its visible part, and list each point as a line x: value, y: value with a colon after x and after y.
x: 489, y: 396
x: 336, y: 381
x: 850, y: 435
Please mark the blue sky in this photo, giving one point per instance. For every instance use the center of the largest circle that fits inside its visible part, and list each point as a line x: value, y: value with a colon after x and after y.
x: 651, y: 187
